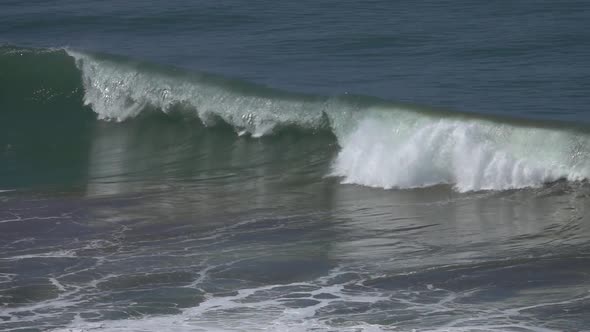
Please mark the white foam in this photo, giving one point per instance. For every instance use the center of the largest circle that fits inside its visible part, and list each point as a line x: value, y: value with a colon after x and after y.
x: 418, y: 151
x: 258, y: 319
x: 263, y: 309
x: 52, y: 254
x: 250, y: 309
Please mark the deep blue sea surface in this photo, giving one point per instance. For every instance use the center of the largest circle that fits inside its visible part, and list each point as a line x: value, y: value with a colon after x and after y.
x: 294, y: 166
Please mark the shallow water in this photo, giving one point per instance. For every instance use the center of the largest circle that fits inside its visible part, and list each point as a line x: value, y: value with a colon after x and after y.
x: 310, y: 256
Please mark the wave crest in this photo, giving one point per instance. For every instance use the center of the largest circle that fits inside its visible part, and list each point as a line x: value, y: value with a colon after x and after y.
x: 119, y: 90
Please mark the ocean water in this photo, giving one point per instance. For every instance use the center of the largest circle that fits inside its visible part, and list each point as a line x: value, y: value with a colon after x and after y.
x: 294, y: 166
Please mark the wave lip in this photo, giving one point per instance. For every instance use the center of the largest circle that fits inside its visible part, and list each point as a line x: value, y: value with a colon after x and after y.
x: 119, y: 90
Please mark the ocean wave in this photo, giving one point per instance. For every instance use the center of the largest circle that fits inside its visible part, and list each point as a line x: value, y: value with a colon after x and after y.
x: 382, y: 144
x: 119, y: 90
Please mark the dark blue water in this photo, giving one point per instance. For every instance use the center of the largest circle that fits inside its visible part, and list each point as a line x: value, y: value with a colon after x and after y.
x: 294, y: 166
x: 519, y: 58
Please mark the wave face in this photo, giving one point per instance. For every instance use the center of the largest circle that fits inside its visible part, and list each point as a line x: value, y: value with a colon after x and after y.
x: 117, y: 89
x: 382, y: 144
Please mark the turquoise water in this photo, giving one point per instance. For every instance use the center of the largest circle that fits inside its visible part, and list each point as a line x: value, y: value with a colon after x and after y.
x: 311, y: 166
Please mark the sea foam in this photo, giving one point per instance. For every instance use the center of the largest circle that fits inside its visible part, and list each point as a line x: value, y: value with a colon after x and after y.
x: 420, y: 151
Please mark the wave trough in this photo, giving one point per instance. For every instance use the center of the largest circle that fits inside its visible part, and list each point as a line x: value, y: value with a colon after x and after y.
x: 382, y: 144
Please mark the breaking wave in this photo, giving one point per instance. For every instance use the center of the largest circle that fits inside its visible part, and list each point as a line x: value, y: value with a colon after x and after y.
x: 382, y: 144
